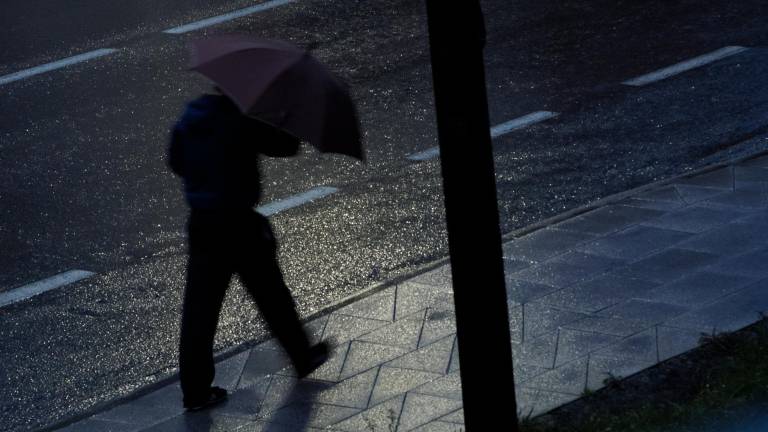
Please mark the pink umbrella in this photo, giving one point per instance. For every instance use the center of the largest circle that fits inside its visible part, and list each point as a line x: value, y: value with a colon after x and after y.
x: 283, y: 85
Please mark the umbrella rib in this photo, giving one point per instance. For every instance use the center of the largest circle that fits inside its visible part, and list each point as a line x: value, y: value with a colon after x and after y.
x: 269, y: 83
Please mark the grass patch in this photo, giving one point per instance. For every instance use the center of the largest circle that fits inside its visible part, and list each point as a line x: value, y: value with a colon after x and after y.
x: 725, y: 373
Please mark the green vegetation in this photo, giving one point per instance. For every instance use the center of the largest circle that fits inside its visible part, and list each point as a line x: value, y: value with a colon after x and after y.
x: 725, y: 373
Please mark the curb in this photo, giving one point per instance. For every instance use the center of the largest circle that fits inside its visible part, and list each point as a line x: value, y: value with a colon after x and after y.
x: 602, y: 202
x: 169, y: 377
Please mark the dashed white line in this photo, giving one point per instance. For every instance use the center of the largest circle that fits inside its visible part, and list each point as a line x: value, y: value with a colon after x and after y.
x: 521, y: 122
x: 424, y: 155
x: 296, y: 200
x: 26, y: 73
x: 197, y: 25
x: 33, y: 289
x: 496, y: 131
x: 685, y: 66
x: 66, y: 278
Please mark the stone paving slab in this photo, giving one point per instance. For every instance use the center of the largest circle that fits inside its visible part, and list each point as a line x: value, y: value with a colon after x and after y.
x: 575, y: 344
x: 697, y: 289
x: 566, y: 270
x: 543, y: 244
x: 641, y: 346
x: 608, y: 325
x: 521, y: 291
x: 592, y: 298
x: 696, y: 194
x: 662, y: 194
x: 569, y: 378
x: 608, y: 219
x: 748, y: 264
x: 634, y: 243
x: 751, y: 173
x: 668, y: 265
x: 719, y: 178
x: 138, y: 414
x: 696, y: 219
x: 731, y: 239
x: 604, y: 368
x: 743, y: 198
x: 730, y: 313
x: 673, y: 341
x: 97, y: 425
x: 539, y: 352
x: 597, y: 294
x: 653, y: 204
x: 542, y: 319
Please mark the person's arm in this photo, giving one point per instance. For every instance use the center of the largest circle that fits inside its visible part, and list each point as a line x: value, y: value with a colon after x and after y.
x: 175, y: 157
x: 270, y: 140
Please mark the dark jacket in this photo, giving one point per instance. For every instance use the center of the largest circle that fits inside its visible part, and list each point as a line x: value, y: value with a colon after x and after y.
x: 215, y: 149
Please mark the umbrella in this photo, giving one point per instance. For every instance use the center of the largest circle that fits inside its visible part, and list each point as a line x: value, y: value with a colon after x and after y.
x: 284, y: 85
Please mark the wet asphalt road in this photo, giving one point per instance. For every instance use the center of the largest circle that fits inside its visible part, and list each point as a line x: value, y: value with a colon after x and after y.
x: 84, y: 185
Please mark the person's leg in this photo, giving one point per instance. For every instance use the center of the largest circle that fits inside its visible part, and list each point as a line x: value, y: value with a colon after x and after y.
x: 260, y: 273
x: 208, y: 275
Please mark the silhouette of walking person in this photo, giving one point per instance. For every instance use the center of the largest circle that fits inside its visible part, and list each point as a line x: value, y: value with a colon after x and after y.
x: 214, y: 148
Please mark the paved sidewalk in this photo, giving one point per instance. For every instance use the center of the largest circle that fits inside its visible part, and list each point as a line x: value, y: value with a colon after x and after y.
x: 606, y: 293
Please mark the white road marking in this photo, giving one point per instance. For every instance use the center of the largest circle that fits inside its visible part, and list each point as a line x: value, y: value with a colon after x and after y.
x: 496, y: 131
x: 33, y: 289
x: 685, y: 66
x: 521, y: 122
x: 296, y: 200
x: 26, y: 73
x: 426, y: 154
x: 197, y: 25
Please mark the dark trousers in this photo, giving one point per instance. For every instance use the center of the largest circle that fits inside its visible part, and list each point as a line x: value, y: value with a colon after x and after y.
x: 222, y: 243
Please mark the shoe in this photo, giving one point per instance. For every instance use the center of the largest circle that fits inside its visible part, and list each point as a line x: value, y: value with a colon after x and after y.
x: 215, y: 396
x: 318, y: 354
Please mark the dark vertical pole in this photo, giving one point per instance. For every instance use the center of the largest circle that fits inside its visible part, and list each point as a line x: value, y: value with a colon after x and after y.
x: 457, y: 37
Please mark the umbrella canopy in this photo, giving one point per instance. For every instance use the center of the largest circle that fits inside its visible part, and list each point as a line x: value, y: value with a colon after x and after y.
x: 283, y: 85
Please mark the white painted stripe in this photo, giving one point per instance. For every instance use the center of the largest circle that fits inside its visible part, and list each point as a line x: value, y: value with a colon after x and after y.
x: 521, y: 122
x: 26, y: 73
x: 33, y: 289
x: 426, y: 154
x: 496, y: 131
x: 685, y: 66
x: 197, y: 25
x: 296, y: 200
